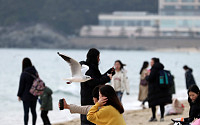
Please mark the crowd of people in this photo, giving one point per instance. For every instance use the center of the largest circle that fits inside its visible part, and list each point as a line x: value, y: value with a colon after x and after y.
x: 101, y: 97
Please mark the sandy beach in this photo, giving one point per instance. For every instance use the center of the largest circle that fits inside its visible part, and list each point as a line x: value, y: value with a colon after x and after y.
x: 141, y: 117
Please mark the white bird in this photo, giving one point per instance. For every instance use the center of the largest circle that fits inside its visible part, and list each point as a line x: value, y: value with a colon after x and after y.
x: 78, y: 71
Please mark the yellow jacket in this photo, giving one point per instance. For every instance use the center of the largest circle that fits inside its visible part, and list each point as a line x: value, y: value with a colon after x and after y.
x: 107, y: 115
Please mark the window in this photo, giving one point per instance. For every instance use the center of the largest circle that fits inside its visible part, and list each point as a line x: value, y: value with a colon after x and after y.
x: 146, y: 23
x: 119, y: 23
x: 138, y: 22
x: 105, y: 22
x: 168, y: 24
x: 187, y: 7
x: 169, y: 7
x: 170, y: 0
x: 187, y: 0
x: 131, y: 23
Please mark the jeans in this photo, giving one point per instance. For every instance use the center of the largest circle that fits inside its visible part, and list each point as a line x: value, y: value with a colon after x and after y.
x: 32, y: 106
x: 119, y: 95
x: 45, y: 118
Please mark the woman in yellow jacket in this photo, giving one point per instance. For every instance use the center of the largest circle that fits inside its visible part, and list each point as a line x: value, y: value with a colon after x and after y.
x: 111, y: 110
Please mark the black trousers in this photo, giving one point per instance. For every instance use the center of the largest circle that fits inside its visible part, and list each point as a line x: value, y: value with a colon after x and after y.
x: 162, y: 111
x: 32, y: 106
x: 45, y: 118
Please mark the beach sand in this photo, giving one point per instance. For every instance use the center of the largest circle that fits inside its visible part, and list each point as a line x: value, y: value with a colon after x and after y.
x: 141, y: 117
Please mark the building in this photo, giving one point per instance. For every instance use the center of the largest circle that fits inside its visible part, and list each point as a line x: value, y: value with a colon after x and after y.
x: 169, y: 22
x: 179, y: 7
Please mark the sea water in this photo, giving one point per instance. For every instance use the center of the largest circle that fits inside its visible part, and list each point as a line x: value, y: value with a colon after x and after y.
x: 53, y: 69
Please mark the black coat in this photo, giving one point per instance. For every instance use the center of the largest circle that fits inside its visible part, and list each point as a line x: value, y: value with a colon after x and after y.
x: 88, y: 86
x: 189, y: 78
x: 194, y: 110
x: 25, y: 84
x: 156, y: 94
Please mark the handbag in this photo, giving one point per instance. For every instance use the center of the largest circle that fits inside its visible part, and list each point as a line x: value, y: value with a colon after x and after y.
x: 143, y: 82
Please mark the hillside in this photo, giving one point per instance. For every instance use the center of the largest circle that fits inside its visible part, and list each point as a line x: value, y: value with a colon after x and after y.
x: 66, y: 16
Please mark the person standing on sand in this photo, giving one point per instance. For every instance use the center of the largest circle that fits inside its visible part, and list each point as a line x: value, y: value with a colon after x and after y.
x: 46, y: 105
x: 143, y: 91
x: 93, y: 58
x: 120, y: 80
x: 111, y: 109
x: 189, y: 76
x: 156, y: 94
x: 25, y: 84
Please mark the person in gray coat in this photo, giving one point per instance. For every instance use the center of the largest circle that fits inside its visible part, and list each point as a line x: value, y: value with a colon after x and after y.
x: 46, y: 105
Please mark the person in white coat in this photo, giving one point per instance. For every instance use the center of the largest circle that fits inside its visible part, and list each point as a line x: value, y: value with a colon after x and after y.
x: 120, y: 81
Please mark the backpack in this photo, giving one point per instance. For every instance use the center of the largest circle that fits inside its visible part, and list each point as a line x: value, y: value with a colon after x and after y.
x: 38, y: 86
x: 165, y: 78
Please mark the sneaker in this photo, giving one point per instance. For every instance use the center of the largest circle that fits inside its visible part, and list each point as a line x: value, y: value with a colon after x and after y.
x: 153, y: 119
x: 162, y: 120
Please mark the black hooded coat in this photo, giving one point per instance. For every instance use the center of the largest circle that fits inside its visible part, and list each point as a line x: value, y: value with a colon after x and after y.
x: 156, y: 94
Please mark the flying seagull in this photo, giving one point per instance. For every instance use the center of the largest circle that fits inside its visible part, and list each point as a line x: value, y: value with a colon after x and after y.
x: 78, y: 71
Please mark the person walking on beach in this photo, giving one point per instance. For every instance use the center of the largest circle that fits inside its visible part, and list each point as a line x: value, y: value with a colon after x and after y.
x: 156, y: 94
x: 93, y: 58
x: 46, y: 105
x: 25, y: 84
x: 194, y: 101
x: 111, y: 109
x: 189, y: 76
x: 143, y: 89
x: 120, y: 80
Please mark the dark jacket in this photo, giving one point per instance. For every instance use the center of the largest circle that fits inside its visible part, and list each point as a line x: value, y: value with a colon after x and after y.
x: 25, y: 84
x: 88, y: 86
x: 46, y: 99
x: 156, y: 94
x: 194, y: 110
x: 189, y: 78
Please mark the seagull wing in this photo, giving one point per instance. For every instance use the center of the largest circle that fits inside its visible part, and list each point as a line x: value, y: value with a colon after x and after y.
x: 75, y: 66
x: 84, y: 69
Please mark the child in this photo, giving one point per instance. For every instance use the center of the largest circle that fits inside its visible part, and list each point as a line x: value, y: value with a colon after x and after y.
x: 46, y: 105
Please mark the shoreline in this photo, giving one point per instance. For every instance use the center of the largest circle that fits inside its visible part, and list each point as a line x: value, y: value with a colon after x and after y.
x: 141, y: 117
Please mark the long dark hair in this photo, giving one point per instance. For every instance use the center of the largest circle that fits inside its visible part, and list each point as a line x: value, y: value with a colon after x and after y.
x: 144, y: 66
x: 121, y: 64
x: 92, y: 56
x: 193, y: 88
x: 26, y: 63
x: 109, y: 92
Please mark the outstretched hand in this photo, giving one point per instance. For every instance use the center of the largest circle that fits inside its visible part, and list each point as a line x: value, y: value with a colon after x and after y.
x: 102, y: 101
x: 66, y: 106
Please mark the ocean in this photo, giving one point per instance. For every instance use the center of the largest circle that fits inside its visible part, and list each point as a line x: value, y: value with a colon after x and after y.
x: 53, y: 69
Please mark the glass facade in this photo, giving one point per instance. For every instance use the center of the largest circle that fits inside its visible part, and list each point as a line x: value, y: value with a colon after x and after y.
x: 187, y: 0
x: 187, y: 7
x: 125, y: 23
x: 171, y: 0
x: 105, y: 22
x: 168, y: 24
x: 163, y: 23
x: 169, y: 7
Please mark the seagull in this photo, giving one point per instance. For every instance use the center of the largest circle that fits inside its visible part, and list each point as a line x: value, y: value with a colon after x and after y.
x: 78, y: 71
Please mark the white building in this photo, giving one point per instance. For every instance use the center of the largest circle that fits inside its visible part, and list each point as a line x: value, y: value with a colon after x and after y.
x: 134, y: 24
